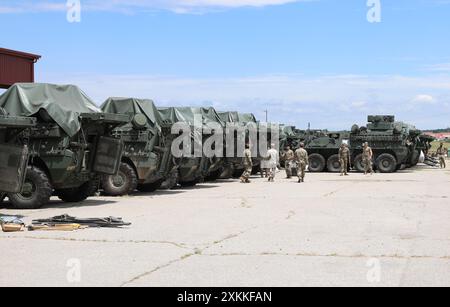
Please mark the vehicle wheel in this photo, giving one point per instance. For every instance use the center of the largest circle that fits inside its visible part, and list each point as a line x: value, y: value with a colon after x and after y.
x: 256, y: 169
x: 317, y: 163
x: 333, y: 164
x: 214, y: 175
x: 358, y: 164
x: 124, y: 183
x: 237, y: 173
x: 80, y: 194
x: 149, y: 187
x: 189, y: 184
x: 36, y: 191
x: 386, y: 163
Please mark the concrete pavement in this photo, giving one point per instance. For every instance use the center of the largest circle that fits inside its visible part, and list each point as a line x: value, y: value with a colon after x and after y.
x: 380, y: 230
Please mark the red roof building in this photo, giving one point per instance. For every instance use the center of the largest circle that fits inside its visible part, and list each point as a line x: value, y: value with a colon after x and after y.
x: 16, y: 66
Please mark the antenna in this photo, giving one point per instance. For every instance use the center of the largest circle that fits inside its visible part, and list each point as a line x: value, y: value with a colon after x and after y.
x: 267, y: 115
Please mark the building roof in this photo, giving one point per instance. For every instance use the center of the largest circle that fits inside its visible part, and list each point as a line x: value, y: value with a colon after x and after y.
x: 20, y: 54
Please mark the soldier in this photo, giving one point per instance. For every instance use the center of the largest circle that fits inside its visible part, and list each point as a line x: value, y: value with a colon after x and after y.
x: 367, y: 159
x: 248, y: 165
x: 344, y: 158
x: 302, y: 158
x: 441, y: 152
x: 289, y: 157
x: 273, y: 162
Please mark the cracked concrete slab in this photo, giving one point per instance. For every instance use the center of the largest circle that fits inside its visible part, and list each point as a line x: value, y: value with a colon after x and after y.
x: 323, y: 232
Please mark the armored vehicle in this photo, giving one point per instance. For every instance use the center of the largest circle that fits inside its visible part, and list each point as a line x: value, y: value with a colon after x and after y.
x: 147, y: 158
x: 393, y: 143
x: 13, y: 152
x: 70, y: 146
x: 237, y: 135
x: 322, y: 146
x: 196, y: 166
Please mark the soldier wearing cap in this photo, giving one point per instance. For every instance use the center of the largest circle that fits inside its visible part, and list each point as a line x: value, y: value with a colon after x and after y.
x: 441, y: 153
x: 367, y: 159
x: 302, y: 158
x: 344, y: 159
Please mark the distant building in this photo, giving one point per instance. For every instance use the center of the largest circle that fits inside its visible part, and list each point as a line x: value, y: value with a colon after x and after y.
x: 439, y: 136
x: 16, y: 66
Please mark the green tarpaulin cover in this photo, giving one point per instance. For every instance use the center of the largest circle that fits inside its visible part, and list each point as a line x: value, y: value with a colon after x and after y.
x: 133, y: 106
x: 187, y: 114
x: 63, y: 103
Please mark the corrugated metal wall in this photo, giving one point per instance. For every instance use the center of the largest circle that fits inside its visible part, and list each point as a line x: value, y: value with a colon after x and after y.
x: 15, y: 69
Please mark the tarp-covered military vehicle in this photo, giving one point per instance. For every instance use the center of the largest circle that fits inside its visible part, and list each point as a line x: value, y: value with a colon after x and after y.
x: 393, y: 143
x: 70, y: 145
x: 238, y: 125
x: 13, y: 152
x: 147, y: 158
x: 196, y: 166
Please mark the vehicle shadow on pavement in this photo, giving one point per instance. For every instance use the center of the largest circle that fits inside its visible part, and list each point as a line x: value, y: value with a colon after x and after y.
x: 57, y: 204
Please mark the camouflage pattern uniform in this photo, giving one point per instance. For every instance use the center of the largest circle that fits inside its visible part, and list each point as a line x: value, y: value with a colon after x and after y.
x: 344, y: 159
x: 441, y: 154
x: 302, y: 158
x: 367, y: 159
x: 289, y: 157
x: 248, y: 165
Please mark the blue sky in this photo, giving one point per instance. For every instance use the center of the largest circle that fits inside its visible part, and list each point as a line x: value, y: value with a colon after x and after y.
x: 317, y: 61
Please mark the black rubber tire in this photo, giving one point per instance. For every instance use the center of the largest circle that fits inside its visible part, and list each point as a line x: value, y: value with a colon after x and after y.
x: 237, y: 173
x: 41, y: 191
x: 149, y: 187
x: 129, y: 181
x: 386, y: 163
x: 79, y: 194
x: 333, y: 164
x: 317, y: 163
x: 188, y: 184
x: 358, y: 164
x: 214, y: 175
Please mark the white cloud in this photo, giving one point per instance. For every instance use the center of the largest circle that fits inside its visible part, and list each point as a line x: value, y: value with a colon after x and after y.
x: 442, y: 67
x: 423, y: 99
x: 131, y: 6
x: 334, y: 102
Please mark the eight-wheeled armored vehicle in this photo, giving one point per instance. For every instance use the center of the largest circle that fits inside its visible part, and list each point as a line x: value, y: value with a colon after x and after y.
x: 147, y: 158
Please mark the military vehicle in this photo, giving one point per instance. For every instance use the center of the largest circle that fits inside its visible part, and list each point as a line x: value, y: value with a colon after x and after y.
x: 322, y: 146
x: 70, y: 146
x: 147, y: 158
x: 13, y: 152
x: 393, y: 143
x: 196, y: 167
x: 238, y: 124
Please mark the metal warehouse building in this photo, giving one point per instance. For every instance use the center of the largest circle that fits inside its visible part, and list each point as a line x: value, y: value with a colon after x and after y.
x: 16, y: 66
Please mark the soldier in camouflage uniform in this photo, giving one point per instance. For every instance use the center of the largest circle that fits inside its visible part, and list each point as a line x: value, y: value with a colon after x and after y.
x: 248, y: 165
x: 344, y: 159
x: 289, y: 158
x: 302, y: 158
x: 441, y: 152
x: 367, y: 159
